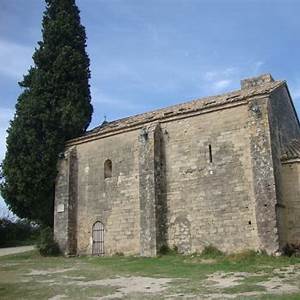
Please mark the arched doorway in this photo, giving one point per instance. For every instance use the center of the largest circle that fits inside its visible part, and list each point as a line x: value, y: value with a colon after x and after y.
x: 98, y: 239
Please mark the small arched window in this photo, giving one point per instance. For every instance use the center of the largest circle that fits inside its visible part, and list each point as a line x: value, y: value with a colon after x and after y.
x: 107, y: 169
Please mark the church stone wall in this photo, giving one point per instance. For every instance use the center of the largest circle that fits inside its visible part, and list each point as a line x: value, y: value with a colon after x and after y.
x: 263, y: 176
x: 65, y: 207
x: 188, y: 181
x: 150, y: 185
x: 291, y: 192
x: 283, y: 118
x: 113, y: 201
x: 284, y: 128
x: 210, y: 199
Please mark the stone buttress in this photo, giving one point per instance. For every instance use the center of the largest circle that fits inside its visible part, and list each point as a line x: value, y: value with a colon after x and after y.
x: 150, y: 181
x: 65, y: 208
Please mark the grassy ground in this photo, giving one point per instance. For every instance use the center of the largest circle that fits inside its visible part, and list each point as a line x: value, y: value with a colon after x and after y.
x: 18, y: 243
x: 210, y: 276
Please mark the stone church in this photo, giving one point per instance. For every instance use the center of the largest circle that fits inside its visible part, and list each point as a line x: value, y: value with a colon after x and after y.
x: 221, y: 171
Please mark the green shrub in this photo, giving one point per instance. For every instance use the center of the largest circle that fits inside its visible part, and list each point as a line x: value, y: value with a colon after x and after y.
x: 46, y: 244
x: 175, y: 249
x: 292, y: 250
x: 164, y: 249
x: 211, y: 252
x: 245, y: 255
x: 17, y: 232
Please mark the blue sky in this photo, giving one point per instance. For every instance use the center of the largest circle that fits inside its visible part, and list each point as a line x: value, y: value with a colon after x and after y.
x: 151, y: 54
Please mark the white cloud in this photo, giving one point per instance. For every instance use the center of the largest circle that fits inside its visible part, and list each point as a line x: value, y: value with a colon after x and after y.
x: 294, y: 87
x: 296, y: 93
x: 99, y: 97
x: 15, y: 59
x: 257, y: 66
x: 210, y: 75
x: 217, y: 74
x: 219, y: 80
x: 221, y: 84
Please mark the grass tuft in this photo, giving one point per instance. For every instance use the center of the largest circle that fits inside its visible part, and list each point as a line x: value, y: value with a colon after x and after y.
x: 211, y: 252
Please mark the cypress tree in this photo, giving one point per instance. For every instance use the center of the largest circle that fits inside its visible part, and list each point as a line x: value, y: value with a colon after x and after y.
x: 55, y: 105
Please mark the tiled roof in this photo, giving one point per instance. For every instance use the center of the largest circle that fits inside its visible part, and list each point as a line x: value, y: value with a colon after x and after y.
x: 291, y: 151
x: 201, y: 104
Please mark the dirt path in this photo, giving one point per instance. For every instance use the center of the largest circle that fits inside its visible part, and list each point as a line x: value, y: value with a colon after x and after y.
x: 13, y: 250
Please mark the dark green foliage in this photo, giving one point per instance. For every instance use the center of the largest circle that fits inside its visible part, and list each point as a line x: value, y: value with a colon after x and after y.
x: 211, y: 252
x: 53, y: 107
x: 46, y: 244
x: 292, y: 250
x: 164, y: 249
x: 175, y: 249
x: 17, y: 233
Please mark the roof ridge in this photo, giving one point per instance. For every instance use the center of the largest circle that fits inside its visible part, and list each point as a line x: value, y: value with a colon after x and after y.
x: 192, y: 106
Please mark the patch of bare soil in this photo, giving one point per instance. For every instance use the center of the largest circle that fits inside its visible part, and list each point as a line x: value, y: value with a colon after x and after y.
x: 47, y: 281
x: 208, y: 261
x: 215, y: 287
x: 223, y: 280
x: 74, y: 277
x: 181, y: 296
x: 197, y: 260
x: 48, y: 271
x: 15, y: 250
x: 290, y: 270
x: 129, y: 285
x: 276, y: 285
x: 58, y: 297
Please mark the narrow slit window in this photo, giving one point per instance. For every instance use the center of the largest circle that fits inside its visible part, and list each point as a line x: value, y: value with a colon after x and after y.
x: 107, y: 169
x: 210, y: 153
